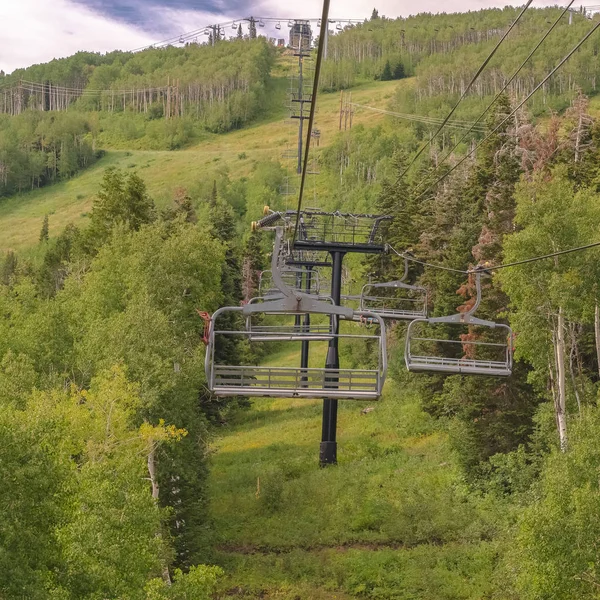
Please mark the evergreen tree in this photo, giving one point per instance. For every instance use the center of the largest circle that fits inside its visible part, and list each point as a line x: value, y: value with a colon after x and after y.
x: 399, y: 71
x: 240, y: 34
x: 374, y: 14
x: 9, y: 267
x: 44, y: 232
x: 223, y: 225
x: 252, y: 29
x: 396, y: 201
x: 386, y: 74
x: 253, y: 264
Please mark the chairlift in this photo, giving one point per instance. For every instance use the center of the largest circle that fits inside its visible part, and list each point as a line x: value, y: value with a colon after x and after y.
x: 293, y: 279
x: 288, y: 327
x: 261, y: 23
x: 290, y: 23
x: 295, y: 382
x: 339, y: 26
x: 395, y: 300
x: 181, y: 39
x: 278, y: 25
x: 234, y: 26
x: 466, y: 355
x: 319, y: 23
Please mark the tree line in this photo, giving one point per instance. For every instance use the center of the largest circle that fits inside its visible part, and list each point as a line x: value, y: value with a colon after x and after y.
x: 222, y: 86
x: 443, y: 51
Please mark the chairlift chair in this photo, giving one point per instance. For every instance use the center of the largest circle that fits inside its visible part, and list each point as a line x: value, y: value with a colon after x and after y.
x: 395, y: 300
x: 432, y: 354
x: 339, y: 26
x: 295, y: 382
x: 292, y: 278
x: 234, y: 26
x: 278, y: 25
x: 278, y: 326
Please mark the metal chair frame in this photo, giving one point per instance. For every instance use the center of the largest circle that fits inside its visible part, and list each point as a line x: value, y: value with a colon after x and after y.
x: 291, y: 272
x: 384, y: 305
x: 462, y: 366
x: 295, y: 382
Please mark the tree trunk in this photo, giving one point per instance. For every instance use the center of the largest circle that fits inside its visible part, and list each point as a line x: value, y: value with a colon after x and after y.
x: 155, y: 492
x: 560, y: 402
x: 597, y: 333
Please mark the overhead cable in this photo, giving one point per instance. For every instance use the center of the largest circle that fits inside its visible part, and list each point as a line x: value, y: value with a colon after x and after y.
x: 468, y: 88
x: 311, y: 118
x: 512, y: 113
x: 421, y: 118
x: 480, y: 268
x: 543, y: 257
x: 411, y: 258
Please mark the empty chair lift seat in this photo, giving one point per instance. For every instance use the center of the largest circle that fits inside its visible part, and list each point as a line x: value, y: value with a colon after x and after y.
x: 297, y: 382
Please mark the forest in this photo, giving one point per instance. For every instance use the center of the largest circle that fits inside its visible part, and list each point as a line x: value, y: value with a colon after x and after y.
x: 128, y: 480
x: 157, y: 99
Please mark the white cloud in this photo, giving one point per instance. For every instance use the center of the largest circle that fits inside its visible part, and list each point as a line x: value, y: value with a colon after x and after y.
x: 361, y: 9
x: 34, y: 31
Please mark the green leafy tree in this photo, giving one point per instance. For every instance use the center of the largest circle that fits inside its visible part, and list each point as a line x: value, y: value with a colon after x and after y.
x: 122, y: 199
x: 554, y: 554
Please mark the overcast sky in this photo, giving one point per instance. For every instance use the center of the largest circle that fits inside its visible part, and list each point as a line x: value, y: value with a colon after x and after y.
x: 34, y: 31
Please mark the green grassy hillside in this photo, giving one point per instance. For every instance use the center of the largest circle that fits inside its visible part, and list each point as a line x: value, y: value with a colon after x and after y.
x: 70, y: 201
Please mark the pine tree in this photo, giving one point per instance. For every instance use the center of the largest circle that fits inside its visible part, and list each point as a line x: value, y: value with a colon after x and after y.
x: 44, y: 233
x: 395, y: 200
x: 214, y: 195
x: 253, y: 265
x: 399, y: 72
x: 9, y: 267
x: 386, y: 74
x: 223, y: 224
x: 374, y: 14
x: 240, y: 34
x: 252, y: 28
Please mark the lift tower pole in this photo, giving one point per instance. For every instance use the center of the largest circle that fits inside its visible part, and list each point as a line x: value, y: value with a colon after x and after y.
x: 337, y: 234
x: 328, y: 450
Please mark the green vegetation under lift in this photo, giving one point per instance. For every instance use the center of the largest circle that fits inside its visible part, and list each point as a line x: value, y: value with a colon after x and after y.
x: 468, y: 355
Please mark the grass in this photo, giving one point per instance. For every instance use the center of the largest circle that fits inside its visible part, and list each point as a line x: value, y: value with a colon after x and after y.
x: 392, y: 520
x: 21, y: 216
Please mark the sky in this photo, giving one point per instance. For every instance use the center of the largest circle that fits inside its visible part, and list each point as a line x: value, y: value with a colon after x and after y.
x: 35, y: 31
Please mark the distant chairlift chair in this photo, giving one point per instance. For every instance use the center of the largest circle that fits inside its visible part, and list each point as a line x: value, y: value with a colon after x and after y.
x: 395, y: 300
x: 295, y: 382
x: 478, y: 357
